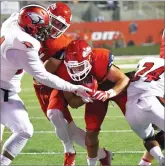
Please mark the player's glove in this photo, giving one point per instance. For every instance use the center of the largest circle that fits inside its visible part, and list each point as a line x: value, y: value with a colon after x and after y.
x: 85, y: 96
x: 87, y: 100
x: 104, y: 95
x: 81, y: 90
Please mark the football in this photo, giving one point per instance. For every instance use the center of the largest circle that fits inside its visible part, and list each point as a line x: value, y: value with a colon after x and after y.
x: 90, y: 82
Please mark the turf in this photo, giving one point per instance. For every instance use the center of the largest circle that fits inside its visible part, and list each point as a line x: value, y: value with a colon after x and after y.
x: 44, y: 148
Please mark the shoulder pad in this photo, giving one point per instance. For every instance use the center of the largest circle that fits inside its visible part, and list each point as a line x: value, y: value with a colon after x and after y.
x: 26, y: 42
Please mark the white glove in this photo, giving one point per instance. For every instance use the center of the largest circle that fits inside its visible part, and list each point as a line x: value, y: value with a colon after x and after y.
x: 87, y: 100
x: 104, y: 95
x: 83, y: 94
x: 81, y: 91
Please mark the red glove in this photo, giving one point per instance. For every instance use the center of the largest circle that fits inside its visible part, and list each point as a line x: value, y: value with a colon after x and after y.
x: 104, y: 95
x: 91, y: 82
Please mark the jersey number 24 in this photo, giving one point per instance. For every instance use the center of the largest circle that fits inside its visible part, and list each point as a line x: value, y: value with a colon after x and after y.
x: 152, y: 75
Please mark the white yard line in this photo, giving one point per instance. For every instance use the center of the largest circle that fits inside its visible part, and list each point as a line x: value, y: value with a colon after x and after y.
x: 60, y: 153
x: 127, y: 66
x: 33, y: 107
x: 103, y: 131
x: 124, y: 57
x: 77, y: 117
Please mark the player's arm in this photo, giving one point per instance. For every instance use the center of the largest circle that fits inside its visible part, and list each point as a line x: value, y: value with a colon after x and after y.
x: 73, y: 100
x: 119, y: 78
x: 30, y: 62
x: 116, y: 76
x: 53, y: 63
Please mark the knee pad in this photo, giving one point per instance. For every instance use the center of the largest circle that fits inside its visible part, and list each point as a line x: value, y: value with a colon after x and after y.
x: 160, y: 137
x: 55, y: 116
x: 27, y: 132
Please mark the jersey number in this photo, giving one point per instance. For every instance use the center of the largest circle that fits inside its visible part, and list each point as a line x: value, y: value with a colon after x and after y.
x: 152, y: 75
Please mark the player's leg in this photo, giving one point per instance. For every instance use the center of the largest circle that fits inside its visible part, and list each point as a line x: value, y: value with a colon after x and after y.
x: 15, y: 117
x: 61, y: 128
x: 157, y: 111
x: 94, y: 116
x: 62, y: 131
x: 58, y: 113
x: 78, y: 136
x: 121, y: 100
x: 147, y: 157
x: 157, y: 118
x: 43, y: 94
x: 139, y: 115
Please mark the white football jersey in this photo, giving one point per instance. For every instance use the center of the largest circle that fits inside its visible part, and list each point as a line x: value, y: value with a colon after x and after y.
x: 149, y: 78
x: 19, y: 51
x: 13, y: 37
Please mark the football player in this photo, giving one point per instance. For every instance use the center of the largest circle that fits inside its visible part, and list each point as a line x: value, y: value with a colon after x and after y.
x: 20, y: 36
x: 80, y: 61
x: 68, y: 132
x: 145, y: 105
x: 147, y: 157
x: 121, y: 100
x: 57, y: 112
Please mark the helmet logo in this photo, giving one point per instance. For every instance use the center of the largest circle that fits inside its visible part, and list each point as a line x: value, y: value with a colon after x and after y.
x: 35, y: 18
x: 86, y: 51
x: 53, y: 6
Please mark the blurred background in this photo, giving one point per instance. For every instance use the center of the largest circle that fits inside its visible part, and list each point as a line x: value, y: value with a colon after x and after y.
x: 116, y: 25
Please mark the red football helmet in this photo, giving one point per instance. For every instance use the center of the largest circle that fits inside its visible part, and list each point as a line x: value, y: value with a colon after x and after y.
x: 60, y: 18
x: 34, y: 19
x: 78, y: 57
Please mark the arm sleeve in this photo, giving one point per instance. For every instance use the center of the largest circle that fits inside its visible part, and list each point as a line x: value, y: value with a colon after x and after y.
x: 30, y: 62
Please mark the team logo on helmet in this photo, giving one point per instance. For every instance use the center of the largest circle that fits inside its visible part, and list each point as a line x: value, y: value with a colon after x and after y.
x: 86, y: 51
x: 36, y: 19
x: 53, y: 6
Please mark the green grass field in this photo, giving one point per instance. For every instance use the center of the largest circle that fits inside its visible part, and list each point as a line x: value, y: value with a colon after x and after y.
x: 44, y: 148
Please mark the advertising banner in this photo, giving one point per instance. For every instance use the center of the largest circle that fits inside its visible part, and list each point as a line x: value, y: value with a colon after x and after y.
x: 120, y: 33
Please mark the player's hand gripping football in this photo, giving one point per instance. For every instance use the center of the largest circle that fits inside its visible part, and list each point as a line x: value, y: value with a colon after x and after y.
x: 104, y: 95
x: 91, y: 83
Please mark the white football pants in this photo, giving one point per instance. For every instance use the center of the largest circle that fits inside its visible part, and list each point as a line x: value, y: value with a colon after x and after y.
x: 15, y: 117
x: 142, y: 112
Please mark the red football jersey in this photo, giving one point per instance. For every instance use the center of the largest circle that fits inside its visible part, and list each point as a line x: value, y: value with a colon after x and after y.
x: 51, y: 46
x: 101, y: 62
